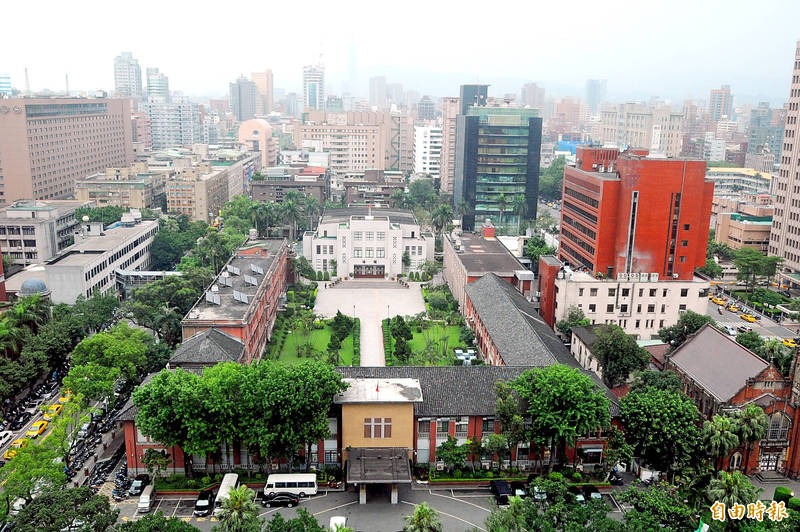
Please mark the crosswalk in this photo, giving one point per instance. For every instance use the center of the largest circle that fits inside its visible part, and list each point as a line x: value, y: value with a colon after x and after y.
x: 736, y: 323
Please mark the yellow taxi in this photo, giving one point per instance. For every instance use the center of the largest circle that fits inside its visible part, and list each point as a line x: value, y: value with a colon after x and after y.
x: 788, y: 342
x: 711, y: 296
x: 53, y: 411
x: 718, y: 301
x: 36, y: 429
x: 16, y: 444
x: 748, y: 318
x: 733, y: 308
x: 66, y: 397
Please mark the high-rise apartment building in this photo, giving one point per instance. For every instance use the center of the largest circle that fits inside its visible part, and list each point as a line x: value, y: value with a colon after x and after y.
x: 242, y: 97
x: 355, y: 140
x: 720, y: 103
x: 638, y: 126
x: 173, y: 123
x: 157, y: 86
x: 450, y: 109
x: 377, y: 92
x: 5, y: 86
x: 46, y: 144
x: 141, y: 130
x: 532, y: 95
x: 264, y: 97
x: 783, y: 240
x: 426, y: 109
x: 626, y: 213
x: 394, y: 93
x: 766, y: 129
x: 427, y: 150
x: 472, y: 95
x: 595, y: 94
x: 314, y: 87
x: 497, y: 161
x: 127, y: 76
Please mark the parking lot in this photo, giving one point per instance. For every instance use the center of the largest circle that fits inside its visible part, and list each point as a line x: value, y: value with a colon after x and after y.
x: 462, y: 509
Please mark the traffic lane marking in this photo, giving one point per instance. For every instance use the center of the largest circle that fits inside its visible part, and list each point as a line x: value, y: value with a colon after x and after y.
x: 449, y: 515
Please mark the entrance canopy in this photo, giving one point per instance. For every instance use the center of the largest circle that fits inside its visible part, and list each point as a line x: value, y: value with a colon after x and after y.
x: 378, y: 465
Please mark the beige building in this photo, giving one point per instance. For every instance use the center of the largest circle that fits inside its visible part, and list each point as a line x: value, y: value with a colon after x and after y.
x: 199, y: 192
x: 742, y: 231
x: 639, y: 126
x: 129, y: 187
x: 47, y: 144
x: 263, y: 81
x: 256, y: 134
x: 447, y: 170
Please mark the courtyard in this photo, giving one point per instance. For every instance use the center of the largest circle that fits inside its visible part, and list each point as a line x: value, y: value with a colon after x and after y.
x: 371, y: 301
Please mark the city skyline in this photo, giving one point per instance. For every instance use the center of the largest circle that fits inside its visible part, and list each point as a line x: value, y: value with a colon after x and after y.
x: 679, y: 64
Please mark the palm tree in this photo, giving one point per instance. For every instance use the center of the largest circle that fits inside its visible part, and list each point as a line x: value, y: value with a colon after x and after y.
x: 291, y: 211
x: 732, y: 488
x: 10, y: 336
x: 31, y: 312
x: 520, y: 207
x: 751, y: 426
x: 424, y: 519
x: 262, y: 214
x: 239, y: 512
x: 441, y: 217
x: 720, y: 437
x: 312, y: 209
x: 502, y: 205
x: 398, y: 199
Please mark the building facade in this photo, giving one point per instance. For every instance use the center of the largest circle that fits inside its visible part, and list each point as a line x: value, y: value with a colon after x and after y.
x: 157, y: 86
x: 627, y: 213
x: 497, y: 154
x: 639, y: 126
x: 367, y: 242
x: 447, y: 165
x: 127, y: 76
x: 314, y: 87
x: 257, y: 135
x: 264, y: 96
x: 129, y: 187
x: 720, y: 103
x: 174, y: 123
x: 426, y: 109
x: 742, y: 231
x: 200, y: 192
x: 734, y: 182
x: 46, y: 144
x: 371, y: 187
x: 280, y: 180
x: 427, y: 150
x: 33, y: 231
x: 242, y: 96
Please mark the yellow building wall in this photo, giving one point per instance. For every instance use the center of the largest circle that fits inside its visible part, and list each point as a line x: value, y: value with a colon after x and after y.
x: 402, y: 415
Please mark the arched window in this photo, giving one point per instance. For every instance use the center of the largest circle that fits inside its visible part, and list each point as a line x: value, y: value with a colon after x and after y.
x: 778, y: 426
x: 736, y: 461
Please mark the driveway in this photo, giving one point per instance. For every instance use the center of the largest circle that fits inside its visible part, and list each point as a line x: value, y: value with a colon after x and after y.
x: 371, y: 301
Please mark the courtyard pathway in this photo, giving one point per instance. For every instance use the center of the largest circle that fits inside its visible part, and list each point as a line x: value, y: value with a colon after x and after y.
x: 371, y: 301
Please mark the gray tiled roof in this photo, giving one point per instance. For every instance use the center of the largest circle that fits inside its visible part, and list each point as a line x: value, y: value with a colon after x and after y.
x: 716, y: 362
x: 587, y: 334
x: 207, y: 348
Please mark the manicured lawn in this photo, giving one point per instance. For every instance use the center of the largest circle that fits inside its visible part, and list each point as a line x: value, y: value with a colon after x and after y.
x: 319, y: 340
x: 436, y: 333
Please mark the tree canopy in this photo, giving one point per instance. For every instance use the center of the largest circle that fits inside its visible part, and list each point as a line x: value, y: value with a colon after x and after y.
x: 55, y: 510
x: 689, y: 323
x: 753, y: 265
x: 618, y: 355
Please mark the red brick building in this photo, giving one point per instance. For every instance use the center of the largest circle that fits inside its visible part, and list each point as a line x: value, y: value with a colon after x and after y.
x: 627, y: 212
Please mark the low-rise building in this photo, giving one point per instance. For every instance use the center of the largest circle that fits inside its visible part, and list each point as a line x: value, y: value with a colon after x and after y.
x: 640, y: 303
x: 367, y: 242
x: 134, y: 187
x: 279, y: 180
x: 200, y: 192
x: 371, y: 187
x: 243, y: 300
x: 740, y: 231
x: 33, y: 231
x: 735, y: 181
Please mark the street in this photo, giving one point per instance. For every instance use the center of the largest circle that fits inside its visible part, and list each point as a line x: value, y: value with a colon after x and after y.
x: 767, y: 328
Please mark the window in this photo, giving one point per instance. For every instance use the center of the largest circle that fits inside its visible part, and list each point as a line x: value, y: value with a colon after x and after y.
x: 637, y: 324
x: 461, y: 426
x: 424, y: 428
x: 641, y: 292
x: 686, y: 227
x: 661, y: 324
x: 357, y: 235
x: 682, y: 258
x: 778, y: 426
x: 626, y: 292
x: 610, y: 307
x: 638, y: 308
x: 664, y: 293
x: 663, y: 308
x: 442, y: 428
x: 357, y: 252
x: 592, y: 307
x: 376, y: 427
x: 612, y: 292
x: 623, y: 308
x: 368, y: 253
x: 652, y: 292
x: 684, y: 292
x: 488, y: 425
x: 380, y: 235
x: 651, y: 308
x: 330, y: 457
x: 580, y: 292
x: 380, y: 253
x: 681, y: 307
x: 592, y: 292
x: 369, y: 235
x: 318, y: 251
x: 684, y: 243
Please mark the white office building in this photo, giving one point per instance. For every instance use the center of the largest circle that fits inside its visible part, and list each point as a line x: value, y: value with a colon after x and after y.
x: 174, y: 123
x: 367, y: 242
x: 314, y: 87
x: 427, y: 150
x: 127, y: 76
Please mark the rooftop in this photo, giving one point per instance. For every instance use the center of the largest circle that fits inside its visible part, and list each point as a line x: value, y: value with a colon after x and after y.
x: 19, y: 209
x: 703, y: 355
x: 481, y: 255
x: 240, y: 272
x: 378, y: 465
x: 343, y: 215
x: 87, y: 250
x: 712, y: 172
x: 364, y: 390
x: 207, y: 348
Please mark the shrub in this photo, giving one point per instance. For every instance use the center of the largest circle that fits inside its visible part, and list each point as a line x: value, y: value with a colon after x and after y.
x: 326, y: 276
x: 319, y: 275
x: 794, y: 504
x: 457, y: 473
x: 782, y: 493
x: 576, y: 476
x: 206, y: 480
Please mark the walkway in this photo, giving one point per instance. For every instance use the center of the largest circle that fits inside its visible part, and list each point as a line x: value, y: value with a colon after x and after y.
x: 371, y: 301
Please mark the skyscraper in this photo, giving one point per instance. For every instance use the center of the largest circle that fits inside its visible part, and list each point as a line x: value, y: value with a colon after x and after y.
x: 472, y: 95
x: 377, y: 92
x: 497, y: 161
x: 174, y: 123
x: 127, y: 76
x: 720, y: 102
x: 157, y: 86
x: 783, y: 240
x: 450, y: 108
x: 595, y: 94
x: 426, y: 110
x: 532, y: 95
x: 314, y: 87
x: 264, y: 97
x: 242, y: 99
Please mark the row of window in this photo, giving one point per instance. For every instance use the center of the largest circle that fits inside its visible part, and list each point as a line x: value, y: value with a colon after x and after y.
x: 623, y: 308
x: 369, y: 235
x: 358, y: 253
x: 625, y: 292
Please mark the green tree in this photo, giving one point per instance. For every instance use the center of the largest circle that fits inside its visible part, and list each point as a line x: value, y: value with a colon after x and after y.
x: 502, y: 205
x: 751, y: 426
x: 30, y: 313
x: 406, y: 260
x: 441, y: 217
x: 510, y: 415
x: 304, y: 522
x: 496, y: 444
x: 535, y: 248
x: 618, y: 355
x: 424, y: 519
x: 661, y: 380
x: 751, y: 340
x: 107, y: 215
x: 575, y: 317
x: 155, y: 523
x: 156, y: 461
x: 34, y: 469
x: 711, y: 268
x: 753, y: 265
x: 519, y: 207
x: 719, y: 438
x: 688, y: 324
x: 92, y: 381
x: 312, y: 209
x: 94, y: 314
x: 618, y: 451
x: 562, y: 403
x: 662, y: 426
x: 11, y: 337
x: 239, y: 512
x: 398, y: 199
x: 732, y: 488
x: 57, y: 509
x: 451, y: 453
x: 121, y: 347
x: 292, y: 211
x: 421, y: 193
x: 430, y: 268
x: 658, y: 507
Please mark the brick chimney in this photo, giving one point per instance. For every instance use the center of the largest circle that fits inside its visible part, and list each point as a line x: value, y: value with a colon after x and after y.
x: 487, y: 230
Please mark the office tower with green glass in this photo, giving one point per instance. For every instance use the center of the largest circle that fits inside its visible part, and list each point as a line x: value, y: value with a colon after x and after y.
x: 497, y: 166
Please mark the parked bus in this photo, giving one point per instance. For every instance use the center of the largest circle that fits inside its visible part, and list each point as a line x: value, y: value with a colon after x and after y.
x: 229, y: 481
x: 302, y: 484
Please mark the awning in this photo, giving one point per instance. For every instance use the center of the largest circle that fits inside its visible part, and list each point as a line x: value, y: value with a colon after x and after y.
x: 378, y: 465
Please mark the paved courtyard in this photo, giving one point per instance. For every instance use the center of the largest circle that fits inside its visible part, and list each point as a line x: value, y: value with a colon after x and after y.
x: 371, y: 301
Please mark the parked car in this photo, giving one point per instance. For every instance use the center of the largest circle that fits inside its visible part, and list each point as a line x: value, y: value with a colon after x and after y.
x: 744, y: 328
x: 36, y: 429
x: 281, y: 498
x: 518, y: 489
x: 539, y: 494
x: 788, y: 342
x: 501, y: 491
x: 591, y: 492
x: 20, y: 421
x: 53, y: 411
x: 5, y: 437
x: 748, y: 318
x: 576, y: 492
x: 204, y: 503
x: 730, y: 330
x: 139, y: 483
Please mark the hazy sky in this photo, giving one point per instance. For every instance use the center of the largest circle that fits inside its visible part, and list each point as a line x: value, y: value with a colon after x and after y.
x: 672, y: 49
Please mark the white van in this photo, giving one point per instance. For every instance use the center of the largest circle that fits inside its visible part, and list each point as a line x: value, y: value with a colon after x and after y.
x: 146, y: 500
x: 302, y: 484
x: 229, y: 481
